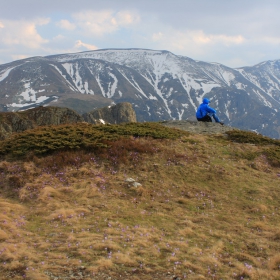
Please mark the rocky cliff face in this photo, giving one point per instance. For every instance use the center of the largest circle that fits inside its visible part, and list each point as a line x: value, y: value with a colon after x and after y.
x: 11, y: 122
x: 20, y: 121
x: 120, y: 113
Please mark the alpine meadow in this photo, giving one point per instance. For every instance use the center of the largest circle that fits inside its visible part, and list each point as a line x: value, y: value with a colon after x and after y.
x: 138, y: 201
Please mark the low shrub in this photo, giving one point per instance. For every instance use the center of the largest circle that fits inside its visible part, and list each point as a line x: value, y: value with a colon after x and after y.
x: 273, y: 156
x: 44, y: 140
x: 148, y: 129
x: 241, y: 136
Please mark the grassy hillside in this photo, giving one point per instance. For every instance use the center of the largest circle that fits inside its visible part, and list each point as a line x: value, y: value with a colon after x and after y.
x: 206, y: 207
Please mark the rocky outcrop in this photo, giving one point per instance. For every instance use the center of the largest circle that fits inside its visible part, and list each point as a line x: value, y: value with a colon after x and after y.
x: 11, y: 122
x: 52, y: 116
x: 19, y: 121
x: 120, y: 113
x: 198, y: 127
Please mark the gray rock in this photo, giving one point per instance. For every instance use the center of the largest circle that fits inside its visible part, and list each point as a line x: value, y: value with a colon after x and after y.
x: 136, y: 185
x: 132, y: 183
x: 19, y: 121
x: 11, y: 122
x: 129, y: 180
x: 116, y: 114
x: 198, y: 127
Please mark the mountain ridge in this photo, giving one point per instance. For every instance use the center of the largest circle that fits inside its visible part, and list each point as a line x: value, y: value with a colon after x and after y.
x: 159, y: 84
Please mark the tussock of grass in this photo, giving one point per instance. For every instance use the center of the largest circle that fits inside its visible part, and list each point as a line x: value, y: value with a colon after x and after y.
x: 274, y: 262
x: 206, y: 209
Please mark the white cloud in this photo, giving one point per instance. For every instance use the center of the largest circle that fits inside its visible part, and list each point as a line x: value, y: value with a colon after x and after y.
x: 65, y: 24
x: 96, y: 23
x: 271, y: 40
x: 157, y: 36
x: 22, y: 33
x: 18, y: 56
x: 193, y: 43
x: 104, y: 22
x: 41, y: 21
x: 79, y: 44
x: 68, y: 47
x: 228, y: 32
x: 58, y: 38
x: 124, y: 18
x: 197, y: 37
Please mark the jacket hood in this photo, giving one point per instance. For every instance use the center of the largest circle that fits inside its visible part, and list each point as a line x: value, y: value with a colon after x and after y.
x: 206, y: 101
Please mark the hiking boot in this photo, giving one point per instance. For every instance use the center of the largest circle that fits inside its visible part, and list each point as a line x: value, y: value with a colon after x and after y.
x: 221, y: 123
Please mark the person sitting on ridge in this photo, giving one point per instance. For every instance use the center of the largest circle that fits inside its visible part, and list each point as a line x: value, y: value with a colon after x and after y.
x: 205, y: 113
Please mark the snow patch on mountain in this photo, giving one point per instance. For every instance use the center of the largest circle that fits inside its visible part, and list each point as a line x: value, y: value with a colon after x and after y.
x: 73, y: 71
x: 65, y: 78
x: 37, y: 101
x: 100, y: 85
x: 4, y: 74
x: 133, y: 83
x: 112, y: 86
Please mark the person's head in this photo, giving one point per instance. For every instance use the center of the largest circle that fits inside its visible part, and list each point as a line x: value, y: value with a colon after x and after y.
x: 206, y: 101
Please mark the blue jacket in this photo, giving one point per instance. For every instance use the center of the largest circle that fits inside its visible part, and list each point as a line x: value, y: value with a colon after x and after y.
x: 204, y: 109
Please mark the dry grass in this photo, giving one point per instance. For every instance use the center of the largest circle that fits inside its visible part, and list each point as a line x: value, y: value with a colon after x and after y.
x: 208, y: 208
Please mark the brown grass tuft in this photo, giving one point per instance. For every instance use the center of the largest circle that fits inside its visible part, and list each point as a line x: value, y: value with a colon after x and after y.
x: 3, y: 235
x: 274, y: 262
x: 104, y: 264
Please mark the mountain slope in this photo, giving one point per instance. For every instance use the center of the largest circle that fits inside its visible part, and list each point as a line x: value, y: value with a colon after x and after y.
x: 159, y: 84
x: 107, y: 205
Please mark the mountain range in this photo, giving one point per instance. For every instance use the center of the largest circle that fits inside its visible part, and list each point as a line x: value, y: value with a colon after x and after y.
x: 159, y: 84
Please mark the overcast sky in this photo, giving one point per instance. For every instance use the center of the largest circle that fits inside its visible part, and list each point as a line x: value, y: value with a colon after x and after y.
x: 235, y: 33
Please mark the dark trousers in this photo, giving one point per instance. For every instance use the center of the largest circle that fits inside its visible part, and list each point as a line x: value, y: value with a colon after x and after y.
x: 205, y: 119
